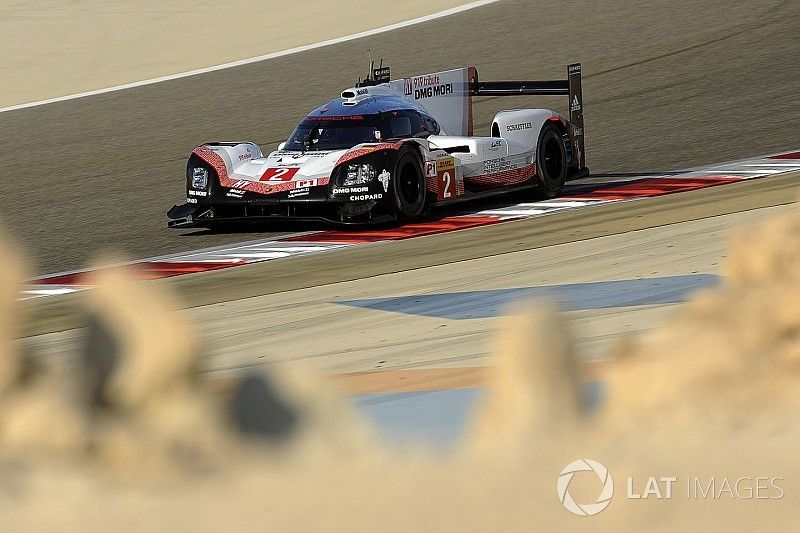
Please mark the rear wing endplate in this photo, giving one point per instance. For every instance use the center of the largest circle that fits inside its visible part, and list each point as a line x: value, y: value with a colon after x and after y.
x: 570, y: 87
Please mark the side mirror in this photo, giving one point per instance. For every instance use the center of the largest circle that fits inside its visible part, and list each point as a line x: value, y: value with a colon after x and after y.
x: 281, y: 146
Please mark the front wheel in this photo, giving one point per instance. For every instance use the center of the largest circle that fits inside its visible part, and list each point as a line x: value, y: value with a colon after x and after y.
x: 551, y: 162
x: 408, y: 186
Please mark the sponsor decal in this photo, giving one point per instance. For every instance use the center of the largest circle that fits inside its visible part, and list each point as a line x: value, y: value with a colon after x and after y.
x: 430, y: 92
x: 350, y: 190
x: 198, y: 193
x: 241, y: 184
x: 576, y: 105
x: 496, y: 144
x: 445, y: 163
x: 427, y: 86
x: 360, y: 92
x: 297, y: 155
x: 299, y: 184
x: 518, y: 127
x: 334, y: 118
x: 381, y: 74
x: 295, y: 193
x: 245, y: 156
x: 497, y: 165
x: 364, y: 197
x: 383, y: 177
x: 191, y: 200
x: 428, y: 80
x: 235, y: 193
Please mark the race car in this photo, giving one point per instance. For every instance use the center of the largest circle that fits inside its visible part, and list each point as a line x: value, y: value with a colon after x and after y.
x: 390, y: 150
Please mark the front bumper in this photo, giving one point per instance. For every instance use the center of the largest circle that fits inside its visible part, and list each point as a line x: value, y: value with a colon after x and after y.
x: 192, y: 216
x: 362, y: 204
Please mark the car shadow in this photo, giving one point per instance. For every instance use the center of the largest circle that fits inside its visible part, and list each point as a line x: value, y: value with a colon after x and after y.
x: 265, y: 226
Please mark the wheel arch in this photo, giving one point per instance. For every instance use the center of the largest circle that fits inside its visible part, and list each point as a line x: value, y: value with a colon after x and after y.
x: 522, y: 125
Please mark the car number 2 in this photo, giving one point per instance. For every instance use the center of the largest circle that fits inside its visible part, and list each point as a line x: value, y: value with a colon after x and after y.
x: 446, y: 178
x: 447, y: 185
x: 279, y: 174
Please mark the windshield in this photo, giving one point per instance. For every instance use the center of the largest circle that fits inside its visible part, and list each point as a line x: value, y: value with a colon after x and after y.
x: 338, y: 133
x: 334, y: 133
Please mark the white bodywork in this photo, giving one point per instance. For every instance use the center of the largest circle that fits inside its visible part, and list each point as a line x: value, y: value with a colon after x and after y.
x: 445, y: 97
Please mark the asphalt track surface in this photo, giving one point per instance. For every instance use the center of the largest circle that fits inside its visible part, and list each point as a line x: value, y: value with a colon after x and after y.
x: 64, y: 312
x: 666, y: 85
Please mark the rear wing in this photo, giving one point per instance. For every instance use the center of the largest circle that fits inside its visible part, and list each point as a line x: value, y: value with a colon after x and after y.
x: 570, y: 87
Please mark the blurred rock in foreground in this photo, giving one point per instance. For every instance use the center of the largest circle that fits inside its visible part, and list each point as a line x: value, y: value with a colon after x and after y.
x: 698, y: 425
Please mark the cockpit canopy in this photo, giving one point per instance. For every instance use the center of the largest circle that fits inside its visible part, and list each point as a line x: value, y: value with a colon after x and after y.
x: 340, y: 125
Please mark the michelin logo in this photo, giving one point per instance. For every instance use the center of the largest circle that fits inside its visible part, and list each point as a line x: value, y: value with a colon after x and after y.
x: 383, y: 177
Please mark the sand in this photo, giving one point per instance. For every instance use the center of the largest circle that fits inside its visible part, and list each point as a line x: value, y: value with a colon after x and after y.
x: 53, y: 48
x: 131, y: 440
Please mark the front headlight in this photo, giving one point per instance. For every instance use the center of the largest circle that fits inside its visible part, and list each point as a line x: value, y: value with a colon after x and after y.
x: 199, y: 178
x: 359, y: 174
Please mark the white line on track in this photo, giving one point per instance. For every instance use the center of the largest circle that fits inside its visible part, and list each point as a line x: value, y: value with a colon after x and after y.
x: 779, y: 165
x: 264, y: 255
x: 761, y: 172
x: 552, y: 203
x: 517, y: 212
x: 265, y: 57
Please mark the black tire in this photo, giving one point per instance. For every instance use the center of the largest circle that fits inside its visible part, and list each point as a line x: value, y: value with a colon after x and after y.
x: 409, y: 196
x: 551, y: 163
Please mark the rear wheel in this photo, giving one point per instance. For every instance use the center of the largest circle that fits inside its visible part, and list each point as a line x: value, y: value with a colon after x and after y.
x: 408, y: 186
x: 551, y: 162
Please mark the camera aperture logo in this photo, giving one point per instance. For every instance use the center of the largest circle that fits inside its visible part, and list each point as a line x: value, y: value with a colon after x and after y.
x: 585, y: 509
x: 645, y: 488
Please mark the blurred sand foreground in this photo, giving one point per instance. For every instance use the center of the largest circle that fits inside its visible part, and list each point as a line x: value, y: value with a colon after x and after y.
x: 127, y: 438
x: 53, y: 48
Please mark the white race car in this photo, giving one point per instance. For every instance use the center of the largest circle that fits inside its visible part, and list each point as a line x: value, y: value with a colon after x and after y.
x: 392, y: 149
